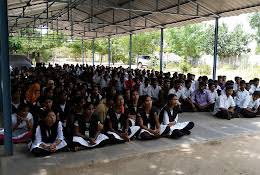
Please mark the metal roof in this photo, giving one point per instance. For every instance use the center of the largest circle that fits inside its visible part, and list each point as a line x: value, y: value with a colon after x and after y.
x: 102, y: 18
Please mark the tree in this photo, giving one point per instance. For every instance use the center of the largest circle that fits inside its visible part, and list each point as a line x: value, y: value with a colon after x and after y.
x: 32, y: 41
x: 255, y: 24
x: 186, y: 41
x: 230, y: 43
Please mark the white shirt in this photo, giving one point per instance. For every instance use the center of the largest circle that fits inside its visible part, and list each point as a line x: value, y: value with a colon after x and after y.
x: 241, y: 97
x: 23, y: 123
x: 144, y: 90
x: 223, y: 102
x: 155, y: 91
x: 253, y: 104
x: 252, y: 89
x: 166, y: 120
x: 236, y: 87
x: 213, y: 95
x: 179, y: 93
x: 187, y: 92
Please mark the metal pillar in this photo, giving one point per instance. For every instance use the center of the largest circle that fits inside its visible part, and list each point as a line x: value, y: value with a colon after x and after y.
x: 109, y: 51
x: 93, y: 51
x: 161, y: 50
x: 5, y: 78
x: 83, y: 51
x: 130, y: 49
x: 215, y: 49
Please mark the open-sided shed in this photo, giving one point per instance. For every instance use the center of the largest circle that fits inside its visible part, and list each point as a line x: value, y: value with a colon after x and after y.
x: 103, y: 18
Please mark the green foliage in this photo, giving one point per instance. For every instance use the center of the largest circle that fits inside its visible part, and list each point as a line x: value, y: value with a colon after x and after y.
x: 204, y: 69
x: 184, y: 66
x: 186, y: 41
x: 146, y: 43
x: 230, y: 43
x: 255, y: 24
x: 32, y: 41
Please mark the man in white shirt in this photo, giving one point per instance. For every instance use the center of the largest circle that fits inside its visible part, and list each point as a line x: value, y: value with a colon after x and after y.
x: 212, y: 91
x: 241, y: 96
x: 254, y: 86
x: 236, y: 84
x: 252, y: 106
x: 155, y: 90
x: 187, y: 105
x: 144, y: 88
x: 225, y: 105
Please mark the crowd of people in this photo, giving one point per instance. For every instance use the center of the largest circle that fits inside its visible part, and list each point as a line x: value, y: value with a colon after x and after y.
x: 71, y: 108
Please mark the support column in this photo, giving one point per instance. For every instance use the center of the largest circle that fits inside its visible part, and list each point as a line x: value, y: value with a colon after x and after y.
x: 93, y: 51
x: 161, y: 50
x: 83, y: 51
x: 5, y: 78
x: 130, y: 49
x: 215, y: 49
x: 109, y: 51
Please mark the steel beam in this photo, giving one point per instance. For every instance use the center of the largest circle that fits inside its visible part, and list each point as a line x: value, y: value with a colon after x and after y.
x: 161, y: 50
x: 130, y: 49
x: 5, y: 78
x: 93, y: 51
x: 83, y: 50
x: 109, y: 51
x: 215, y: 49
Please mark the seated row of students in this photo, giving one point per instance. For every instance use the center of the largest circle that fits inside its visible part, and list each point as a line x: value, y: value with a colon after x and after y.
x: 67, y: 90
x: 121, y: 124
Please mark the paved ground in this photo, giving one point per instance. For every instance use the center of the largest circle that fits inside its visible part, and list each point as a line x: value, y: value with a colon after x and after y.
x: 188, y: 155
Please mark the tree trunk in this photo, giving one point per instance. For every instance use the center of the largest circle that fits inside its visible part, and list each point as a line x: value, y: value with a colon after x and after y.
x: 101, y: 60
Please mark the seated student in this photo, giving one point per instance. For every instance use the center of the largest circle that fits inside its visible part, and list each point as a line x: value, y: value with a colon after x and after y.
x: 201, y: 99
x: 254, y: 86
x: 144, y: 88
x: 87, y: 130
x: 103, y: 107
x: 169, y: 117
x: 241, y: 96
x: 133, y: 107
x: 116, y: 125
x: 62, y: 107
x: 225, y: 105
x: 148, y: 120
x: 213, y: 94
x: 155, y: 90
x: 22, y: 124
x: 185, y: 101
x: 252, y: 106
x: 236, y: 84
x: 94, y: 97
x: 48, y: 138
x: 16, y: 97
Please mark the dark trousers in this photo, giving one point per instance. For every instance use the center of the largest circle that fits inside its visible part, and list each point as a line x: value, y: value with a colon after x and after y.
x: 225, y: 114
x: 209, y: 108
x: 177, y: 133
x: 39, y: 152
x: 249, y: 114
x: 186, y: 106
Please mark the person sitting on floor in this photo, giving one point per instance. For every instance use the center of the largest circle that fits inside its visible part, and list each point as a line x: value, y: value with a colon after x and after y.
x: 201, y: 99
x: 116, y: 122
x: 169, y: 116
x: 252, y: 107
x: 225, y: 105
x: 213, y: 94
x: 242, y: 96
x: 187, y: 105
x: 22, y: 124
x: 48, y: 138
x: 87, y: 130
x: 148, y: 120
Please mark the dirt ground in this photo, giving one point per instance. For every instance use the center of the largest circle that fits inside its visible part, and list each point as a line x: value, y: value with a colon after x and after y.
x: 234, y: 156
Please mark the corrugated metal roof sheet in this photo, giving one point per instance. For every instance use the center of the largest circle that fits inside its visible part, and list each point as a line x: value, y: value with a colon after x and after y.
x: 100, y: 18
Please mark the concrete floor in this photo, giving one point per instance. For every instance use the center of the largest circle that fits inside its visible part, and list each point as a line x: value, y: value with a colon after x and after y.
x: 207, y: 128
